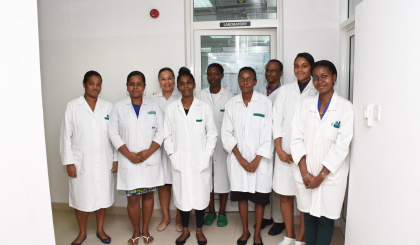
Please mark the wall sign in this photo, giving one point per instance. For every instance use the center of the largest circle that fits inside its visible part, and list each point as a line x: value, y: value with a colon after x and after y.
x: 235, y: 24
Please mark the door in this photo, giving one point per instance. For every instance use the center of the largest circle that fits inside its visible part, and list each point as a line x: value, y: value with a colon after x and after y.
x: 233, y: 49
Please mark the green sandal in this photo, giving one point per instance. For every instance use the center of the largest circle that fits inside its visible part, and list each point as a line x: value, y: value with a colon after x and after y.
x: 222, y: 220
x: 209, y: 219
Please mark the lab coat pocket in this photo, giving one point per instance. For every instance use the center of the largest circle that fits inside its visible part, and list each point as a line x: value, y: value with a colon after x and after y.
x: 258, y: 120
x: 262, y: 167
x: 175, y: 162
x: 154, y: 159
x: 331, y: 133
x: 110, y: 158
x: 205, y: 161
x: 198, y: 125
x: 78, y: 158
x: 298, y: 176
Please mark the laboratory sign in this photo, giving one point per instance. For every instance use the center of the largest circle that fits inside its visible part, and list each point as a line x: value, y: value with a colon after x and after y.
x: 235, y: 24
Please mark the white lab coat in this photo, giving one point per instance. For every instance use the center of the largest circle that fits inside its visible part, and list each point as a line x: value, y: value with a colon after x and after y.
x: 287, y: 102
x: 324, y: 144
x: 273, y: 95
x: 249, y: 128
x: 190, y: 141
x: 84, y: 142
x: 220, y: 178
x: 137, y: 134
x: 163, y: 103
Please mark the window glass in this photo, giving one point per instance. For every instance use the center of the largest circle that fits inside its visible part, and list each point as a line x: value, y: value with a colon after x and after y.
x: 233, y: 53
x: 213, y: 10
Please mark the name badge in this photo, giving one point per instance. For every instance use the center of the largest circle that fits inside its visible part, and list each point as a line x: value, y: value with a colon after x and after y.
x: 152, y: 112
x: 222, y: 110
x: 107, y: 117
x: 336, y: 124
x: 199, y: 120
x: 259, y: 115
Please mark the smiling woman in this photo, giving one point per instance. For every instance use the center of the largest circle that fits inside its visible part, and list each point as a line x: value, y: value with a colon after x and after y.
x: 136, y: 130
x: 190, y: 138
x: 246, y: 136
x: 322, y: 130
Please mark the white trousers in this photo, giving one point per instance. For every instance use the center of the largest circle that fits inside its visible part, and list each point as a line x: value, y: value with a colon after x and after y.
x: 272, y: 210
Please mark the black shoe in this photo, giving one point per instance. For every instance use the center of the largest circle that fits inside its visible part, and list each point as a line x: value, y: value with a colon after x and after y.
x: 183, y: 241
x: 265, y: 222
x: 276, y: 229
x: 201, y: 242
x: 258, y: 243
x: 243, y: 242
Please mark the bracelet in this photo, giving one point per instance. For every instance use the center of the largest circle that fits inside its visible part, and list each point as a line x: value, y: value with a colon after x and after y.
x: 305, y: 176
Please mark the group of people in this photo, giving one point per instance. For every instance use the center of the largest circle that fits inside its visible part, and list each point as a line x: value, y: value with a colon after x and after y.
x: 267, y: 147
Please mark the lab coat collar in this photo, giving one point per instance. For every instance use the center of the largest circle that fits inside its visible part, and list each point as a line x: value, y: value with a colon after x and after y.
x: 82, y: 101
x: 174, y: 93
x: 145, y: 101
x: 254, y: 98
x: 310, y: 86
x: 331, y: 107
x: 221, y: 93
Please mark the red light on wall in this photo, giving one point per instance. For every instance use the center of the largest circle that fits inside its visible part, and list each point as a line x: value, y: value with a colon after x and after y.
x: 154, y: 13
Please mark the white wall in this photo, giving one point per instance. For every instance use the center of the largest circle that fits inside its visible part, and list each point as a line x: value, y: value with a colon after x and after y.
x: 384, y: 192
x: 25, y: 209
x: 111, y: 37
x: 115, y: 38
x: 310, y: 26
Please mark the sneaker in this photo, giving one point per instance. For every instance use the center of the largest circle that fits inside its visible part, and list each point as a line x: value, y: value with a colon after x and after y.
x: 287, y: 241
x: 222, y: 220
x: 209, y: 219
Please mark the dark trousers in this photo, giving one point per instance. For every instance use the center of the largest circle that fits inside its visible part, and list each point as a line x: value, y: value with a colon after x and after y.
x: 199, y: 218
x: 318, y: 231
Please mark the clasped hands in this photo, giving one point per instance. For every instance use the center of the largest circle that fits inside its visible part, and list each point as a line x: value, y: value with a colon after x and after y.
x: 250, y: 166
x: 139, y: 156
x: 312, y: 182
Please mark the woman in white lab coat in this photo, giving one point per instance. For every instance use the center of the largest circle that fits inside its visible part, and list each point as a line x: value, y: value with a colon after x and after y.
x: 247, y: 137
x: 288, y: 100
x: 322, y: 130
x: 136, y: 130
x: 190, y: 138
x: 89, y: 156
x: 168, y: 94
x: 217, y: 97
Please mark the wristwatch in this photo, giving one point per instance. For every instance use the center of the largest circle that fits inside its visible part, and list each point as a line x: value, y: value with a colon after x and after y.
x: 324, y: 175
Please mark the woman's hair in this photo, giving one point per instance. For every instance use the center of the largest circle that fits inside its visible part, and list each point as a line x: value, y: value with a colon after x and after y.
x: 307, y: 56
x: 89, y: 74
x: 278, y: 62
x: 136, y: 73
x: 247, y: 68
x: 166, y: 69
x: 218, y: 66
x: 184, y: 71
x: 324, y: 63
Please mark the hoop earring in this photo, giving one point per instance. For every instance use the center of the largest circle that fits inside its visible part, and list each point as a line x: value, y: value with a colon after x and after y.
x: 144, y: 93
x: 126, y: 92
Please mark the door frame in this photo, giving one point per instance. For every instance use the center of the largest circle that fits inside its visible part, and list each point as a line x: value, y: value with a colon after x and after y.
x: 191, y: 26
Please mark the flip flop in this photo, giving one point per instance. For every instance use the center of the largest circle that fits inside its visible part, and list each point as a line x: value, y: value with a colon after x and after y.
x: 134, y: 241
x: 147, y: 239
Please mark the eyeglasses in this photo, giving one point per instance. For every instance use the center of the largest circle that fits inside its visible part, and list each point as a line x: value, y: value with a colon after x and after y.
x: 241, y: 80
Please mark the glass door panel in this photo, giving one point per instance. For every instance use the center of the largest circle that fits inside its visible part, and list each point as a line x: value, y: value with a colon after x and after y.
x: 252, y: 48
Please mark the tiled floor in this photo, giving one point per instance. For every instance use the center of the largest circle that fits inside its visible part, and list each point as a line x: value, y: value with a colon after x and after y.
x: 119, y: 228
